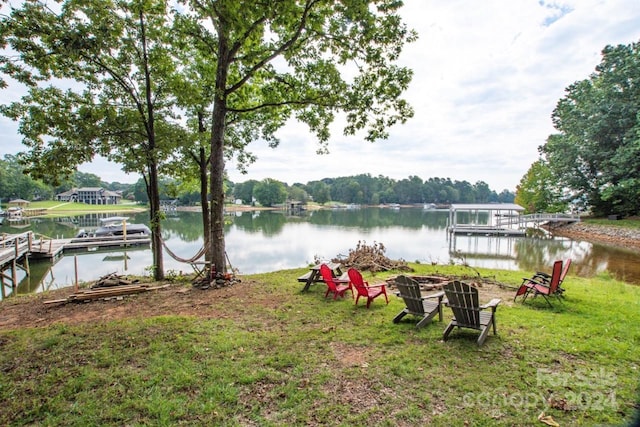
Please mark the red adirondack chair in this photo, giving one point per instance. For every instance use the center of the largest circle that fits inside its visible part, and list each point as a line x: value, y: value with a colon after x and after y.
x: 363, y: 288
x: 334, y: 285
x: 539, y: 287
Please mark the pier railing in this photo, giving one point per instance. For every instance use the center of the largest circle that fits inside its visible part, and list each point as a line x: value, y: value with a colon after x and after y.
x: 538, y: 218
x: 14, y: 246
x: 14, y: 254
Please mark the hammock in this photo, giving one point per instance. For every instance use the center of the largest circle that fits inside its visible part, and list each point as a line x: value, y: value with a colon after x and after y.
x: 191, y: 260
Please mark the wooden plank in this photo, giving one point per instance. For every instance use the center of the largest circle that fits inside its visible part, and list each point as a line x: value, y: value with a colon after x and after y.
x: 90, y: 295
x: 56, y: 301
x: 305, y: 277
x: 110, y: 289
x: 107, y: 292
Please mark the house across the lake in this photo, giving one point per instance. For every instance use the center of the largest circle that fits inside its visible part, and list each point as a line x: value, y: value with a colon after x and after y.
x: 90, y: 196
x: 19, y: 203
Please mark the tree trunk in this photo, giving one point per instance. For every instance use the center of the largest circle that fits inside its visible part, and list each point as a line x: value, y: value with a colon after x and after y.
x: 216, y: 190
x: 203, y: 162
x: 216, y: 186
x: 204, y: 202
x: 152, y: 162
x: 156, y: 226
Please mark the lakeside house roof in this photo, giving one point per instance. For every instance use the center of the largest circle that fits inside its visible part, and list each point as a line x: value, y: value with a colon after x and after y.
x: 19, y: 202
x: 486, y: 207
x: 67, y: 193
x: 90, y: 189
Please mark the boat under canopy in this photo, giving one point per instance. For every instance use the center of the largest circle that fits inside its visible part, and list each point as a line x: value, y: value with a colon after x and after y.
x: 116, y: 226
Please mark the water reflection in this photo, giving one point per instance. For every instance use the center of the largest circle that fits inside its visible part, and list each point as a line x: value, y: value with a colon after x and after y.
x: 262, y: 241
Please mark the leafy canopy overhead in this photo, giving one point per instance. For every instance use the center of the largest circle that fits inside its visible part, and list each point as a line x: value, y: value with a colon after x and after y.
x: 98, y: 75
x: 306, y: 60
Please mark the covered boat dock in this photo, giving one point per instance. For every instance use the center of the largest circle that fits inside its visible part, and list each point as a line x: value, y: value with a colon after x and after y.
x: 483, y: 219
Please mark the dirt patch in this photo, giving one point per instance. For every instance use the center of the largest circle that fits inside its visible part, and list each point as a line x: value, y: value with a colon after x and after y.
x: 175, y: 299
x: 183, y: 300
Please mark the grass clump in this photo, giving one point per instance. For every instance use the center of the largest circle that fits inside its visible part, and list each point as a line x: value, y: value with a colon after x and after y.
x: 276, y: 356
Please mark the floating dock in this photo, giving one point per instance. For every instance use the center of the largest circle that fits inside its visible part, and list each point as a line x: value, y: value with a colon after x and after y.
x: 485, y: 230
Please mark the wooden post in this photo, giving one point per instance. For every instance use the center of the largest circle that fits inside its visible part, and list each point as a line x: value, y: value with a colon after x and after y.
x: 75, y: 261
x: 14, y: 275
x: 26, y: 264
x: 2, y: 284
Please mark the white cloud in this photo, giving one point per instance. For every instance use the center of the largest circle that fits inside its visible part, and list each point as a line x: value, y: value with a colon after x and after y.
x: 487, y: 76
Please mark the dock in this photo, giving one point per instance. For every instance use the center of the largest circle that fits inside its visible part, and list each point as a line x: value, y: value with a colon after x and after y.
x: 499, y: 219
x: 14, y: 255
x: 17, y: 249
x: 52, y: 248
x: 479, y: 219
x: 486, y: 230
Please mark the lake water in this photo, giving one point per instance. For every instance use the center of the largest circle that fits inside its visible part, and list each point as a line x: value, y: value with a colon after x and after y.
x: 263, y: 241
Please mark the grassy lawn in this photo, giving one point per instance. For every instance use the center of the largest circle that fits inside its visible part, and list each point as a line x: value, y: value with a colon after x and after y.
x: 276, y: 356
x: 56, y: 208
x: 623, y: 223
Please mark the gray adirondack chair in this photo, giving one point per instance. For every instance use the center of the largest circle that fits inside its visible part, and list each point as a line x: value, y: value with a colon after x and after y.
x: 467, y: 311
x: 416, y: 303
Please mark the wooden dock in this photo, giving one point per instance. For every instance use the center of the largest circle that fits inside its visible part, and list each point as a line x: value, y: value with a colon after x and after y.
x: 52, y: 248
x: 17, y: 249
x: 14, y: 255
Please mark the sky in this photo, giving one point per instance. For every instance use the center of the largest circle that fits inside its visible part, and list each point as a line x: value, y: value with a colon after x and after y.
x: 487, y: 76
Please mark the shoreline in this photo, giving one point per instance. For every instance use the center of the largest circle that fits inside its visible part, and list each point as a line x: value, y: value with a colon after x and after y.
x: 622, y: 237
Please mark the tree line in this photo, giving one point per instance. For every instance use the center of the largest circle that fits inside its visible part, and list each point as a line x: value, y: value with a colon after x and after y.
x: 359, y: 189
x: 369, y: 190
x: 16, y: 184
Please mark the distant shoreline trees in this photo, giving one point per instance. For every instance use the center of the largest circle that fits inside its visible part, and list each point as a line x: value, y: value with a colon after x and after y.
x: 361, y: 189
